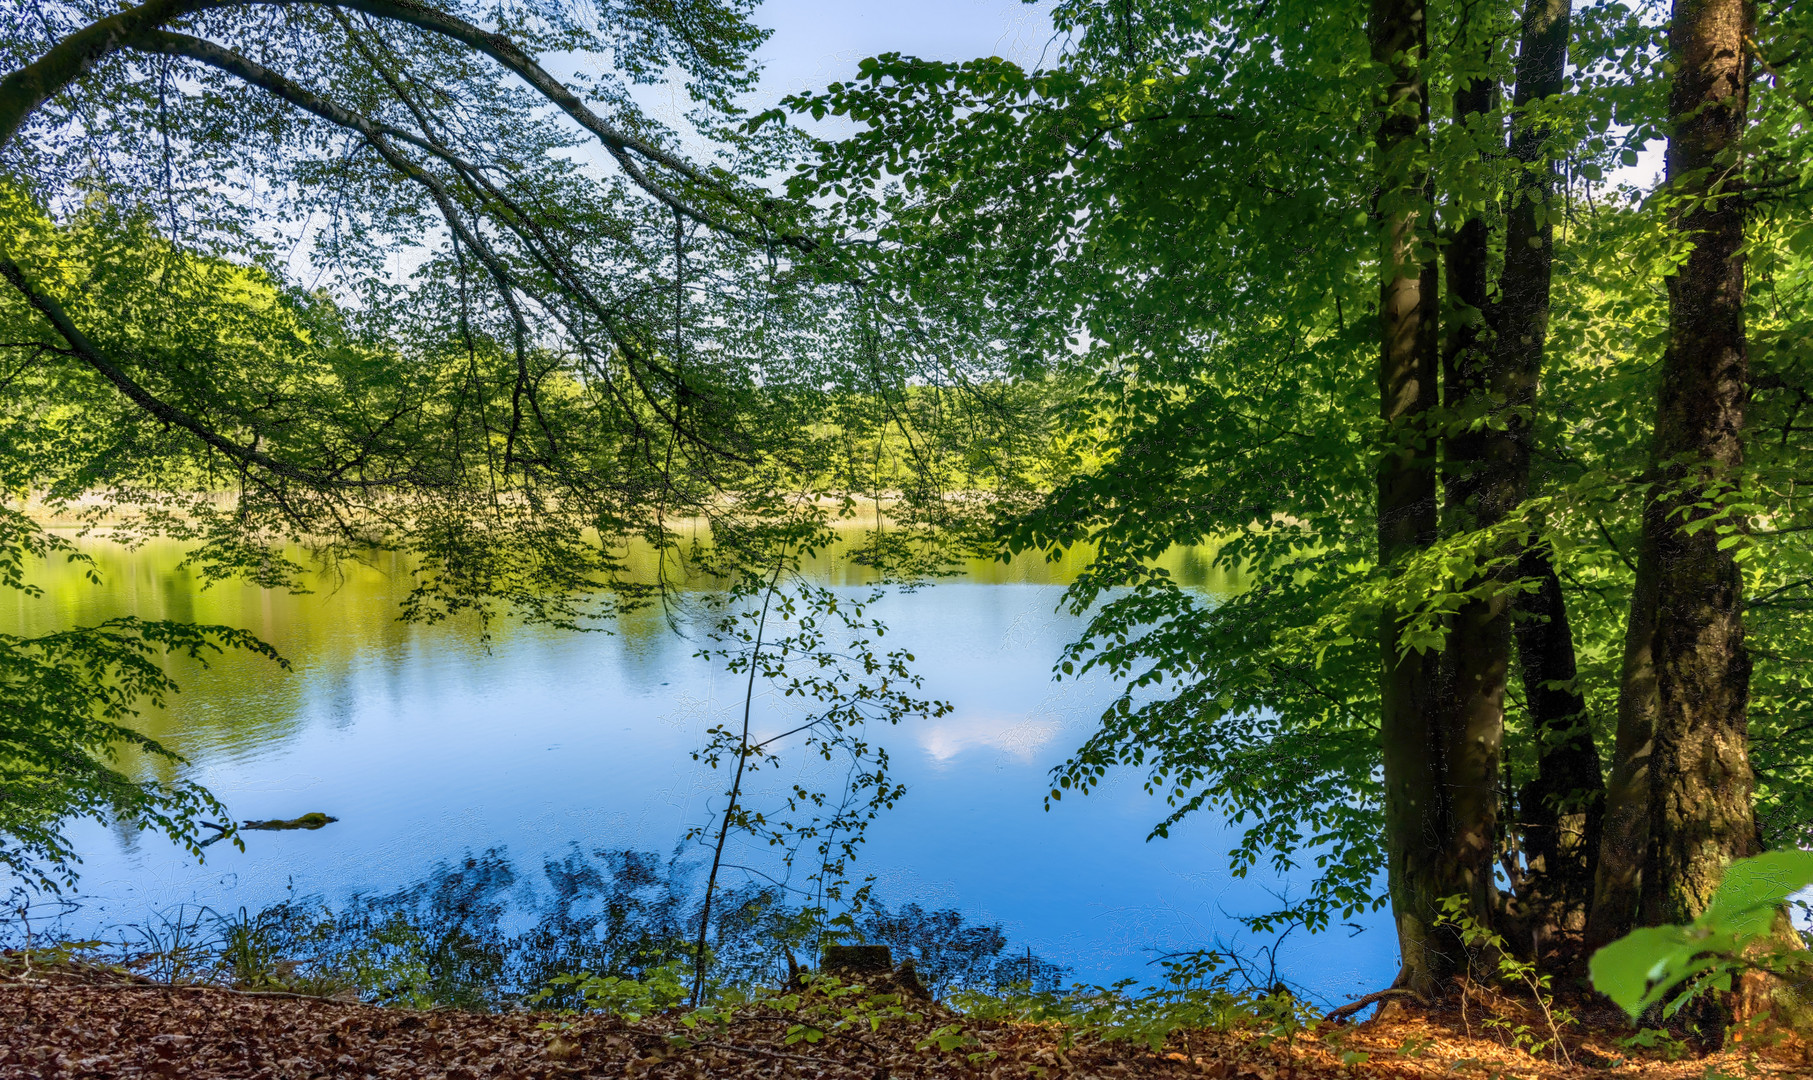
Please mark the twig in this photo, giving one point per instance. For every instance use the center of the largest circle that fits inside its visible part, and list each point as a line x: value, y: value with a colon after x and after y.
x: 736, y: 783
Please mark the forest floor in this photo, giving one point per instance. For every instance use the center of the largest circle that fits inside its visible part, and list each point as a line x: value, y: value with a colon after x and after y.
x: 65, y: 1023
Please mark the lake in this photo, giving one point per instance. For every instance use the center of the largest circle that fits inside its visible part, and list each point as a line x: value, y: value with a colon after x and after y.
x: 430, y: 744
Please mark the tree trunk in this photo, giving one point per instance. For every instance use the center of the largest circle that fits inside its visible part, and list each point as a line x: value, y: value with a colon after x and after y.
x: 1700, y: 779
x: 1563, y: 807
x: 1701, y: 786
x: 1478, y: 492
x: 1406, y: 489
x: 1624, y: 840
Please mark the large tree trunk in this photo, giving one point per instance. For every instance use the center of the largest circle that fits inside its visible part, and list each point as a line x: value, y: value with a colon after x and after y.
x: 1560, y: 809
x: 1478, y: 491
x: 1700, y: 779
x: 1701, y: 786
x: 1406, y: 491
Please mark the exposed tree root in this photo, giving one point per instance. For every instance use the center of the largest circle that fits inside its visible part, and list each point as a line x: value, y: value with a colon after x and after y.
x: 1342, y: 1013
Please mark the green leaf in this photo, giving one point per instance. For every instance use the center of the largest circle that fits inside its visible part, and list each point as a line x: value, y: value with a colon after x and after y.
x: 1753, y: 890
x: 1626, y: 970
x: 1641, y: 968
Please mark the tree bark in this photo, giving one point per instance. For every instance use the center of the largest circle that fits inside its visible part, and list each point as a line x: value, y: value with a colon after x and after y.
x: 1406, y: 488
x: 1624, y: 840
x: 1478, y: 491
x: 1700, y: 778
x: 1563, y: 807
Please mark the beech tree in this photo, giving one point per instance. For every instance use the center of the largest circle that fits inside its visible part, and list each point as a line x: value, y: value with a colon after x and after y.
x: 1701, y: 786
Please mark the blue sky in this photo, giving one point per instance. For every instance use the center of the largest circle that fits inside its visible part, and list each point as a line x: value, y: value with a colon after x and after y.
x: 817, y: 42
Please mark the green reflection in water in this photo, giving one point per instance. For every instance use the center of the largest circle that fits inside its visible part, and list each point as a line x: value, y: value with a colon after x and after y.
x: 241, y: 705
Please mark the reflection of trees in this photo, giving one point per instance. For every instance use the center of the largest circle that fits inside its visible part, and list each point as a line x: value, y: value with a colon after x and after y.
x: 949, y: 953
x: 242, y: 704
x: 238, y: 703
x: 481, y: 933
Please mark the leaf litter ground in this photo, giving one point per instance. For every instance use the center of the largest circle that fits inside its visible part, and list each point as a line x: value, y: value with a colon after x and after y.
x: 65, y: 1022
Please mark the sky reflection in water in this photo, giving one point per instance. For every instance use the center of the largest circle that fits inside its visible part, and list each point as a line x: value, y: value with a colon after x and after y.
x: 427, y: 747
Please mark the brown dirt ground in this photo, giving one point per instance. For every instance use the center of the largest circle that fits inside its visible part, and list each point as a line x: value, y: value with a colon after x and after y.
x: 91, y: 1023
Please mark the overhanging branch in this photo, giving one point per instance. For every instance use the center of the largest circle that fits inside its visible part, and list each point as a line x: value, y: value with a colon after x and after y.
x: 23, y: 91
x: 378, y: 137
x: 86, y: 351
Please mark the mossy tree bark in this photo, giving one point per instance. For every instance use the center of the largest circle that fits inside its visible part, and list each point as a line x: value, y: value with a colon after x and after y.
x: 1701, y: 788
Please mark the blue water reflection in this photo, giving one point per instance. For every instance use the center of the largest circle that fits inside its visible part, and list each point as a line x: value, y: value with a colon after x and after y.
x: 427, y: 746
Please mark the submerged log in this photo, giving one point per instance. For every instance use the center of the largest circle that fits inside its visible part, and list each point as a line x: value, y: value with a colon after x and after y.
x: 306, y: 821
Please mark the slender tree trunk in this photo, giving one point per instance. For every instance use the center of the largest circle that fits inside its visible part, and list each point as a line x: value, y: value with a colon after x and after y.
x: 1624, y: 843
x: 701, y: 957
x: 1406, y: 489
x: 1561, y: 808
x: 1477, y: 489
x: 1700, y: 780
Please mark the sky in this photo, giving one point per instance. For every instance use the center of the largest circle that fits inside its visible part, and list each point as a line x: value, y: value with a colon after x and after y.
x: 817, y: 42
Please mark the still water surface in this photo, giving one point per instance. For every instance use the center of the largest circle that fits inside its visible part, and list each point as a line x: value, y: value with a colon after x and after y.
x: 429, y: 745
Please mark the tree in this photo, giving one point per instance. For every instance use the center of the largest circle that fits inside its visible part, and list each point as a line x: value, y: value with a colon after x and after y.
x: 1700, y: 780
x: 1700, y: 812
x: 1423, y: 760
x: 522, y: 236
